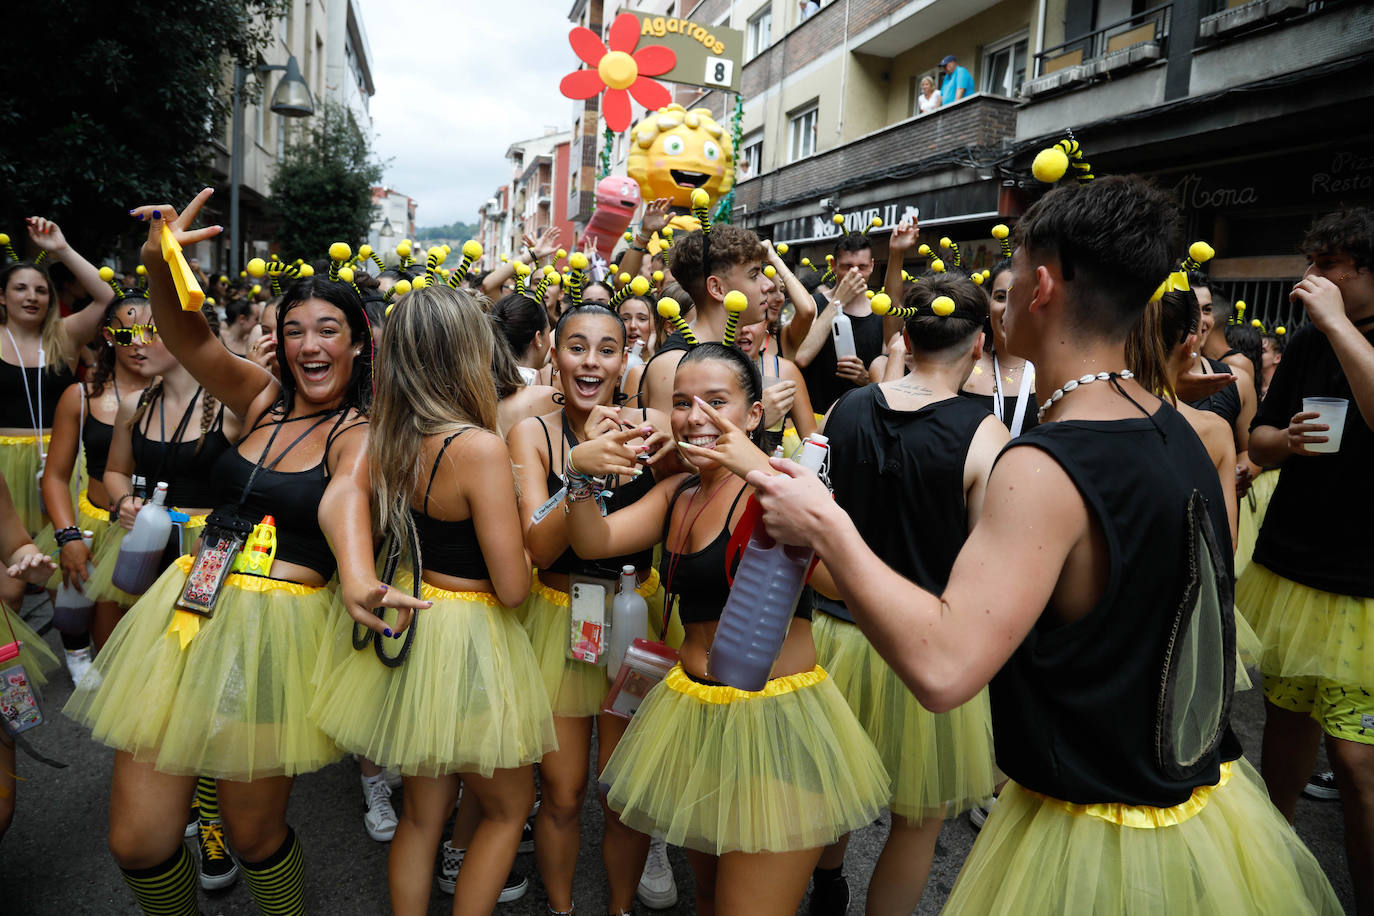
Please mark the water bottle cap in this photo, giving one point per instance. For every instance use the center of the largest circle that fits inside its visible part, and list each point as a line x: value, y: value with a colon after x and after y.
x: 88, y: 533
x: 627, y: 570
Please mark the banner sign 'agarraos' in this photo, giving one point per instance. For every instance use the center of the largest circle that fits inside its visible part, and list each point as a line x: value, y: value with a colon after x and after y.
x: 708, y: 56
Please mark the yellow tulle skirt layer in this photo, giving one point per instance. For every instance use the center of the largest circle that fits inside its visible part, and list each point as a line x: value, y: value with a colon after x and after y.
x: 100, y: 586
x: 20, y: 460
x: 720, y: 770
x: 89, y: 517
x: 1229, y: 852
x: 34, y: 653
x: 234, y: 704
x: 1306, y: 632
x: 467, y: 699
x: 1253, y: 507
x: 574, y: 689
x: 939, y: 763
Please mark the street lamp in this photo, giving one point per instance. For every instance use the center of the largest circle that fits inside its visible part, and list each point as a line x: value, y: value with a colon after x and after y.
x: 291, y: 99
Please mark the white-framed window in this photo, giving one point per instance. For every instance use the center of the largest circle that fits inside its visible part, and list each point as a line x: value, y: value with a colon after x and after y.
x: 758, y: 35
x: 750, y: 161
x: 1004, y: 65
x: 801, y: 133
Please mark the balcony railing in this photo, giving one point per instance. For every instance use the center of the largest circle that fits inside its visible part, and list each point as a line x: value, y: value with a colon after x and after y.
x: 1148, y: 27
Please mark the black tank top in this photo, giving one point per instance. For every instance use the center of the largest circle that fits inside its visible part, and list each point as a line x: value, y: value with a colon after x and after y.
x: 1078, y: 708
x: 96, y: 438
x: 568, y: 562
x: 1224, y: 403
x: 1009, y: 403
x: 900, y: 476
x: 19, y: 407
x: 822, y: 384
x: 698, y: 579
x: 185, y: 466
x: 448, y: 547
x: 292, y: 498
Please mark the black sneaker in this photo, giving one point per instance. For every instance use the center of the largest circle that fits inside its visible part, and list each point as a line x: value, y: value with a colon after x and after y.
x: 829, y: 898
x: 217, y: 866
x: 516, y: 886
x: 527, y: 832
x: 1322, y: 786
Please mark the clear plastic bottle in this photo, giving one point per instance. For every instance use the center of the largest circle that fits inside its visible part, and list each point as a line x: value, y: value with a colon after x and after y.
x: 71, y: 609
x: 635, y: 359
x: 758, y: 612
x: 140, y: 556
x: 629, y: 620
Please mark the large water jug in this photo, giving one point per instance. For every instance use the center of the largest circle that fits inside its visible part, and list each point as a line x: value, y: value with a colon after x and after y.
x: 758, y: 612
x: 71, y: 609
x: 140, y: 556
x: 629, y: 621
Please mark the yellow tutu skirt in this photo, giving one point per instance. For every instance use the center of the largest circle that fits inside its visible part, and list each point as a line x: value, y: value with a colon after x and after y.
x: 89, y: 517
x: 721, y: 770
x: 100, y: 586
x: 1306, y: 632
x: 1253, y: 507
x: 20, y: 460
x: 234, y: 704
x: 575, y: 689
x: 1225, y: 851
x: 941, y: 764
x: 468, y: 698
x: 35, y: 655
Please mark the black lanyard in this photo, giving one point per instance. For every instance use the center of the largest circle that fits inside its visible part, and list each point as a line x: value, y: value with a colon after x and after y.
x: 150, y: 482
x: 260, y: 465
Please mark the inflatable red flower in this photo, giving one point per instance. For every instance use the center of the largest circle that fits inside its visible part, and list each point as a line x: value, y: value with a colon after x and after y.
x: 619, y: 69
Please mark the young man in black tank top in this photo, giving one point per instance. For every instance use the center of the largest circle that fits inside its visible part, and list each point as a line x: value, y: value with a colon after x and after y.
x: 1079, y: 581
x: 1310, y: 591
x: 828, y: 375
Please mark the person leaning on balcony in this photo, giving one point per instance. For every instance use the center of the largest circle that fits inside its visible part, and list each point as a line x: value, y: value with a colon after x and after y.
x: 958, y: 82
x: 928, y: 99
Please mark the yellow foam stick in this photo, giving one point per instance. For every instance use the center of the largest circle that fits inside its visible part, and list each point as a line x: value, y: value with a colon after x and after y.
x: 188, y: 288
x: 735, y: 303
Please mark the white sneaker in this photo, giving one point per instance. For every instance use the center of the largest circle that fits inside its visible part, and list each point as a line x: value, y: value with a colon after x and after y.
x: 978, y: 814
x: 380, y: 818
x: 393, y: 778
x: 79, y: 665
x: 657, y: 890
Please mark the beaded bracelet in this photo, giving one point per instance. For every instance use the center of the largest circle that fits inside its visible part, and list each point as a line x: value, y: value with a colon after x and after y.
x: 65, y: 536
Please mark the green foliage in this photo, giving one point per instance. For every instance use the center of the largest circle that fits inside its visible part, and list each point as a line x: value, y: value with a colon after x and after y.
x: 322, y: 189
x: 462, y: 231
x: 112, y: 105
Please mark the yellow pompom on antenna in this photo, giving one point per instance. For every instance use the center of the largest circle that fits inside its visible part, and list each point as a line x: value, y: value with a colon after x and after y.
x: 770, y: 271
x: 255, y: 290
x: 1201, y: 252
x: 578, y: 261
x: 875, y: 222
x: 781, y: 248
x: 106, y: 273
x: 1240, y: 306
x: 736, y: 301
x: 700, y: 199
x: 1001, y: 231
x: 658, y: 276
x: 1256, y: 323
x: 448, y: 249
x: 881, y: 304
x: 837, y: 219
x: 403, y: 250
x: 401, y: 288
x: 977, y: 278
x: 505, y: 259
x: 938, y: 266
x: 868, y: 293
x: 346, y: 274
x: 924, y: 251
x: 1050, y: 165
x: 340, y: 251
x: 806, y: 262
x: 946, y: 242
x: 560, y: 254
x: 942, y: 306
x: 639, y: 286
x: 668, y: 308
x: 1280, y: 330
x: 364, y: 251
x: 307, y: 271
x: 629, y: 236
x: 141, y: 270
x: 257, y: 267
x: 623, y: 279
x: 4, y: 238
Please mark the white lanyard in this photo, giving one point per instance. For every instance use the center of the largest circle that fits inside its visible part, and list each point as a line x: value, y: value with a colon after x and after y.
x: 1018, y: 418
x: 34, y: 418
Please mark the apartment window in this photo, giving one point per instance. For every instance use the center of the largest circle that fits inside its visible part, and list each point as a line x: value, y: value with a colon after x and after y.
x: 1004, y: 65
x: 758, y: 37
x: 801, y: 133
x: 750, y: 160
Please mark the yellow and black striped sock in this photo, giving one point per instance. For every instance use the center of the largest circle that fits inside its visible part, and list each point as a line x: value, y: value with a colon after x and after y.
x: 207, y: 799
x: 278, y: 882
x: 168, y: 889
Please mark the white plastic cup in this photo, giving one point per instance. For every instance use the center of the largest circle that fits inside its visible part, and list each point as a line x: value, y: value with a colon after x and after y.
x: 1331, y: 412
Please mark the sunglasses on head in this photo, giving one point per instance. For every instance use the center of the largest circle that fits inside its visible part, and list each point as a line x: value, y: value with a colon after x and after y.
x: 132, y: 336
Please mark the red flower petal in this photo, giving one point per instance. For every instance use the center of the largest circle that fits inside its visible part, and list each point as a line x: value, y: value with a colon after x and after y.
x: 615, y: 106
x: 655, y: 60
x: 624, y: 33
x: 587, y: 45
x: 581, y: 84
x: 650, y: 94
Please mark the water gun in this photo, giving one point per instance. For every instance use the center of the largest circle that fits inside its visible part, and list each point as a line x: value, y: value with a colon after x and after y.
x: 259, y: 550
x: 188, y: 288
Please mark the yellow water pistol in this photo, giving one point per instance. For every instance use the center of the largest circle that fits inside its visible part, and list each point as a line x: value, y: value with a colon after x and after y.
x: 260, y: 549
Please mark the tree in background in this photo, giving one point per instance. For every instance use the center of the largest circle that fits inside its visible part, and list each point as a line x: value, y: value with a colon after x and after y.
x: 457, y: 230
x: 322, y: 189
x: 112, y: 105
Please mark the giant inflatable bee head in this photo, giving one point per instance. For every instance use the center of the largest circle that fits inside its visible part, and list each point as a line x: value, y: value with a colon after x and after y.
x: 674, y: 151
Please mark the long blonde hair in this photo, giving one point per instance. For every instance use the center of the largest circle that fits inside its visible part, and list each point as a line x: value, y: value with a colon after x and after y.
x: 57, y: 346
x: 433, y: 377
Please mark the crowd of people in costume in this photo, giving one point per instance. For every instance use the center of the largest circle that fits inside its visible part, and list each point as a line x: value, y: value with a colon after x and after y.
x: 1069, y: 499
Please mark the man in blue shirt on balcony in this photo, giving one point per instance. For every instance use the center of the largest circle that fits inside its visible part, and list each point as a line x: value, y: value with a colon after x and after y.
x: 958, y: 81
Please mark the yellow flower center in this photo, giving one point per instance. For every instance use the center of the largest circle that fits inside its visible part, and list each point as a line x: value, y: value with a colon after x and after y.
x: 618, y: 70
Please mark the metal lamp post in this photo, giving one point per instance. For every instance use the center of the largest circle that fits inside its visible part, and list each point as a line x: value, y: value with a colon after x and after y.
x: 293, y: 100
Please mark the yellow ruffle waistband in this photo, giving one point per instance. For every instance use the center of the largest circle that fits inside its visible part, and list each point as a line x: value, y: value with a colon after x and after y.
x: 435, y: 593
x: 248, y: 583
x: 84, y: 506
x: 720, y: 694
x: 646, y: 589
x: 1144, y: 816
x: 24, y: 440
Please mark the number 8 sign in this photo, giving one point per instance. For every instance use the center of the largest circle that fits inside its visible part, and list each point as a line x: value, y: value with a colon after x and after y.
x: 719, y: 71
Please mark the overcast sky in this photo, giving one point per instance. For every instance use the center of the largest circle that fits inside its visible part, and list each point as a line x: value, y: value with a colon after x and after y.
x: 456, y: 85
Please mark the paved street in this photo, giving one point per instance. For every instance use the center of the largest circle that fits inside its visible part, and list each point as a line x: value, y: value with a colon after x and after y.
x: 55, y: 860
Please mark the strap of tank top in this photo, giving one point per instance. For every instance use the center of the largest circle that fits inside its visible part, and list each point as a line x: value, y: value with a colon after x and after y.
x: 337, y: 430
x: 435, y: 470
x: 276, y: 428
x: 725, y: 529
x: 548, y: 442
x: 175, y: 441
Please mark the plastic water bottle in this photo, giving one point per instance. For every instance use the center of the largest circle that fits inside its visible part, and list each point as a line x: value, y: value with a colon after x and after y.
x: 634, y: 360
x: 843, y: 331
x: 71, y: 609
x: 758, y: 612
x: 629, y: 620
x: 140, y: 556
